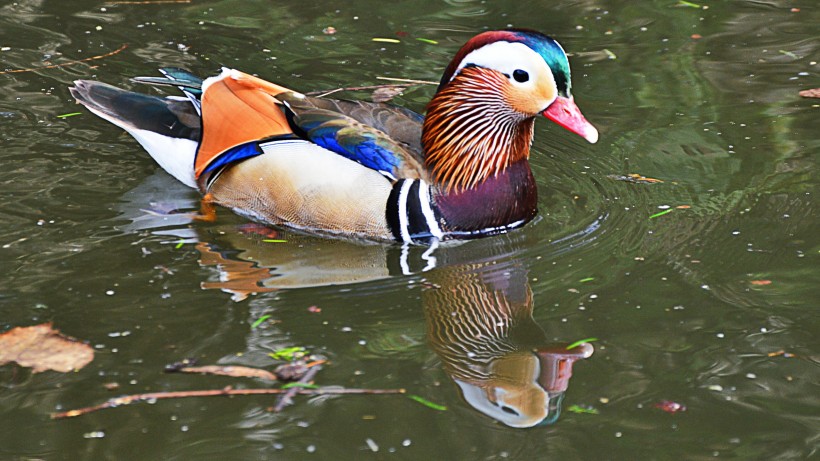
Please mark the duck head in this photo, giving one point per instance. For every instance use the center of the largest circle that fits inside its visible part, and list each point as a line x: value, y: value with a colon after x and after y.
x: 481, y: 119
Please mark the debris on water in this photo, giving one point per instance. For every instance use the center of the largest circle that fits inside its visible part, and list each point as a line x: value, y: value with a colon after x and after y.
x: 811, y: 93
x: 580, y: 342
x: 427, y: 40
x: 760, y: 282
x: 386, y: 93
x: 72, y: 114
x: 225, y: 370
x: 587, y: 279
x: 314, y: 309
x: 634, y: 178
x: 696, y: 36
x: 781, y: 353
x: 300, y: 385
x: 586, y: 409
x: 290, y: 371
x: 41, y: 348
x: 685, y: 4
x: 661, y: 213
x: 329, y: 30
x: 260, y: 321
x: 372, y: 445
x: 670, y: 406
x: 289, y: 354
x: 385, y: 40
x: 427, y: 403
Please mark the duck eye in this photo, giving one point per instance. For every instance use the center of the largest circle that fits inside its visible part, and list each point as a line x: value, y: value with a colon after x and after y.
x: 520, y: 76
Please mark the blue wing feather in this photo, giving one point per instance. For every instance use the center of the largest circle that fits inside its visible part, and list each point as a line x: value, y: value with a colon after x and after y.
x: 363, y: 147
x: 352, y: 139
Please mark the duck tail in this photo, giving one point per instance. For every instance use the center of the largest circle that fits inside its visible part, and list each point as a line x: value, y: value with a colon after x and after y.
x: 168, y: 128
x: 188, y: 83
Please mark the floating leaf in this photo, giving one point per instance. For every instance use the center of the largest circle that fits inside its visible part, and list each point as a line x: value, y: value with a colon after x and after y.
x: 180, y: 244
x: 274, y: 241
x: 289, y: 353
x: 42, y: 348
x: 661, y: 213
x: 789, y: 54
x: 385, y: 40
x: 583, y: 410
x: 761, y: 282
x: 581, y: 341
x: 609, y: 54
x: 427, y: 403
x: 585, y: 280
x: 301, y: 385
x: 386, y: 93
x: 684, y: 3
x: 812, y: 93
x: 427, y: 40
x: 260, y: 321
x: 65, y: 116
x: 670, y: 406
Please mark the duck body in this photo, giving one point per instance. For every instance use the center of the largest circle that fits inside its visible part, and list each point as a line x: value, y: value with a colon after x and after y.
x: 358, y: 168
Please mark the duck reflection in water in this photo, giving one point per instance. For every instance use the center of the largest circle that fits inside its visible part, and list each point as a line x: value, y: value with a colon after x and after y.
x: 479, y: 322
x: 478, y: 313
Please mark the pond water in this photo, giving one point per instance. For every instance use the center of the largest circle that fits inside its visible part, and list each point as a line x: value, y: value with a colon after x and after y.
x: 712, y: 305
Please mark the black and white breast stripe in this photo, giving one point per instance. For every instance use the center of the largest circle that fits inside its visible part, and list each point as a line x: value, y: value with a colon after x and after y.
x: 411, y: 213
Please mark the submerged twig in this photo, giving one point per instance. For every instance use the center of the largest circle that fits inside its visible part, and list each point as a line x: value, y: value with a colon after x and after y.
x: 70, y: 63
x: 226, y: 391
x: 287, y: 398
x: 323, y: 93
x: 405, y: 83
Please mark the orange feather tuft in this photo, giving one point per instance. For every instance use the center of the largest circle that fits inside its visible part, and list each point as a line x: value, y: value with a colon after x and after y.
x: 238, y: 108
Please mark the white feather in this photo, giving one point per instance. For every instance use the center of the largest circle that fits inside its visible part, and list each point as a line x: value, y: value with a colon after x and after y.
x: 174, y: 155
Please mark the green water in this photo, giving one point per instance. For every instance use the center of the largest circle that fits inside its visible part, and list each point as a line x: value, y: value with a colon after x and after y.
x: 680, y: 303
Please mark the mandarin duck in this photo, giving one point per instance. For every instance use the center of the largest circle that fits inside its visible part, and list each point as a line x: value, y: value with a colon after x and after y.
x: 356, y: 168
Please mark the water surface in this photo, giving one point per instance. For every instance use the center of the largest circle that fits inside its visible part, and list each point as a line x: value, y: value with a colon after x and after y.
x: 693, y: 306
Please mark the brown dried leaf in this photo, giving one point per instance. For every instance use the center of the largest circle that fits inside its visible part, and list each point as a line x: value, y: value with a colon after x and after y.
x: 386, y: 93
x: 43, y: 348
x: 812, y: 93
x: 235, y: 371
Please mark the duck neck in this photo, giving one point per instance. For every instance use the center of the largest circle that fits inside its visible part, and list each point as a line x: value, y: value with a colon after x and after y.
x: 471, y: 134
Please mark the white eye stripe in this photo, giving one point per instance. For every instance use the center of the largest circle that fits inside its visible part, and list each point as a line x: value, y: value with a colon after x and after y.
x: 507, y: 57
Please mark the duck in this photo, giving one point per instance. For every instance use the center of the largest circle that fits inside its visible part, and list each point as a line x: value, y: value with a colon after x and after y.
x: 361, y: 169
